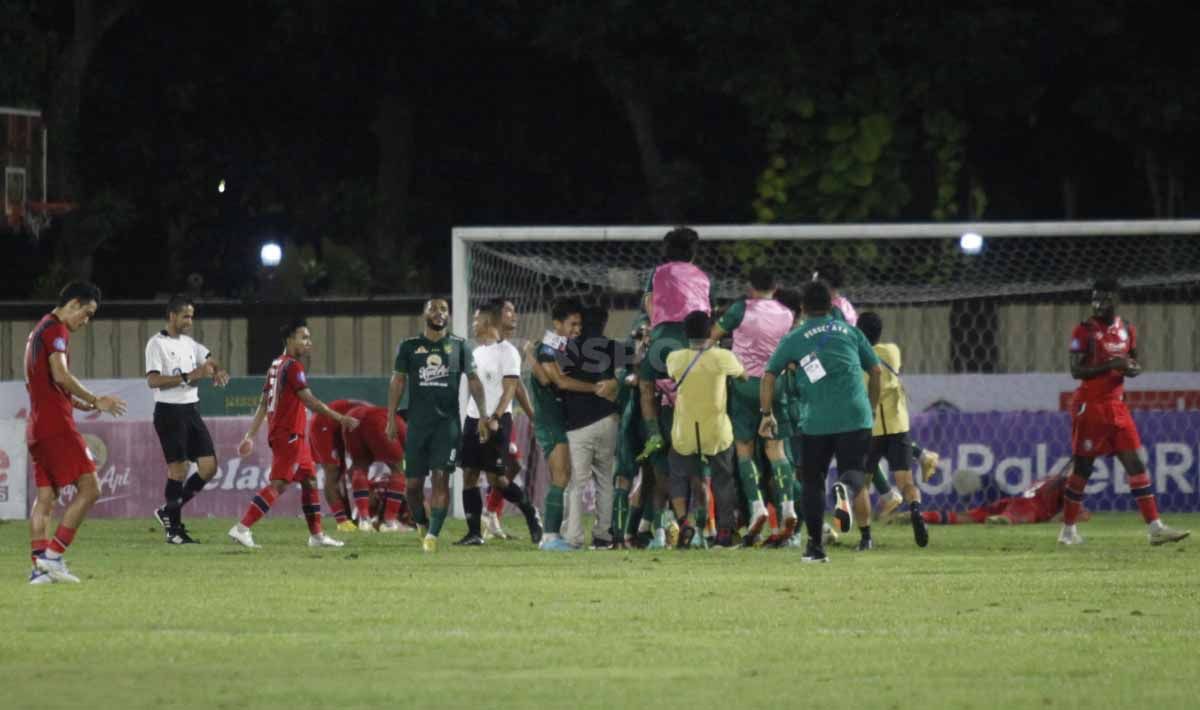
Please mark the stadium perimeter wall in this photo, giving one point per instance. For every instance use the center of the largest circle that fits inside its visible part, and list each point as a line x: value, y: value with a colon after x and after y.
x: 1028, y: 338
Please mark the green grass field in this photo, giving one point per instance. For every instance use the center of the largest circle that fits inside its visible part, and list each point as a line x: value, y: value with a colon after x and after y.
x: 984, y: 617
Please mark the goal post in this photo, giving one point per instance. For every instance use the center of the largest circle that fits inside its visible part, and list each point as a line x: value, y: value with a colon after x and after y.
x: 983, y: 333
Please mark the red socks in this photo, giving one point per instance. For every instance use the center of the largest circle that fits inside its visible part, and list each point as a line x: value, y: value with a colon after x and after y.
x: 1139, y: 487
x: 62, y: 539
x: 310, y: 503
x: 36, y: 548
x: 362, y: 493
x: 940, y: 517
x: 1073, y: 498
x: 259, y: 505
x: 495, y: 500
x: 395, y: 496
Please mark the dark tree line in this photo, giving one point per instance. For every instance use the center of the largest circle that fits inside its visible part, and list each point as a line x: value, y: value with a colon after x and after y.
x: 359, y: 133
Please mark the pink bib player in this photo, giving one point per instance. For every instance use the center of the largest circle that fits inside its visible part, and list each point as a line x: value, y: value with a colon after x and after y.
x: 754, y: 340
x: 679, y: 287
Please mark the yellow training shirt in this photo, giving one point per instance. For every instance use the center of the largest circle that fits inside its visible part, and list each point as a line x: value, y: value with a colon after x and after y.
x: 701, y: 400
x: 891, y: 416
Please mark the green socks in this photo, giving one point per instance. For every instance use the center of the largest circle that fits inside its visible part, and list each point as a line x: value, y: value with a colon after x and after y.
x: 438, y: 517
x: 748, y: 480
x: 553, y: 509
x: 781, y: 470
x: 880, y: 482
x: 620, y: 512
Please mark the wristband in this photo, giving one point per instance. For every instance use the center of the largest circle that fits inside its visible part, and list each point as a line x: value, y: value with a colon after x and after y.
x: 767, y: 412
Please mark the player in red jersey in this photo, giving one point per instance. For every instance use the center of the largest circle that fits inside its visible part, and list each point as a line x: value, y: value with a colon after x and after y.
x: 1040, y: 503
x: 284, y: 401
x: 1103, y: 353
x: 366, y: 445
x: 60, y: 456
x: 329, y: 454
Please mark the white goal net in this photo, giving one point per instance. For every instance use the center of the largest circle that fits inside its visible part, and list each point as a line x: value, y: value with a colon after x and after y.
x: 983, y: 335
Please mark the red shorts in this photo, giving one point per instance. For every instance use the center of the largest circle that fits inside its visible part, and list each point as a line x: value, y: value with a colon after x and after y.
x: 61, y: 460
x: 369, y: 443
x: 291, y: 460
x: 325, y: 441
x: 1102, y: 429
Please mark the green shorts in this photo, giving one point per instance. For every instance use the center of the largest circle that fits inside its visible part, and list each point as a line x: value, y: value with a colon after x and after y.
x: 549, y: 433
x: 744, y: 408
x: 666, y: 418
x: 785, y: 426
x: 665, y: 339
x: 432, y: 445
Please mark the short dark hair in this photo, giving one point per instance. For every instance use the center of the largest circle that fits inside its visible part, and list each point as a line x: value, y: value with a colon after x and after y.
x: 830, y: 273
x: 697, y: 325
x: 817, y: 298
x: 762, y: 278
x: 871, y: 325
x: 680, y: 244
x: 791, y: 298
x: 562, y: 308
x: 595, y: 319
x: 82, y: 291
x: 1107, y: 284
x: 178, y: 302
x: 493, y: 309
x: 291, y: 327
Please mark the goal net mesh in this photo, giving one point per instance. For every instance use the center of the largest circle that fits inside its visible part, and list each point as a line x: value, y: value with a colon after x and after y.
x: 983, y: 336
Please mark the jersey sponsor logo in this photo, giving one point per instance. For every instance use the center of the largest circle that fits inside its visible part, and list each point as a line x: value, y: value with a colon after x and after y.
x: 1087, y: 444
x: 421, y: 350
x: 434, y: 372
x: 60, y: 344
x: 1123, y: 335
x: 1075, y: 345
x: 302, y: 378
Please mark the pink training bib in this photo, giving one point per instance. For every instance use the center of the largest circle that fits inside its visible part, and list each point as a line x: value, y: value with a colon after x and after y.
x: 754, y: 340
x: 679, y: 287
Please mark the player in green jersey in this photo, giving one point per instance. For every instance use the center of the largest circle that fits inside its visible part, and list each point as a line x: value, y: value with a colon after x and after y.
x: 430, y: 366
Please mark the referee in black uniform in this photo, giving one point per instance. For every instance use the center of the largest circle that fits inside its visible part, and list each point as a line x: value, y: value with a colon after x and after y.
x: 175, y: 363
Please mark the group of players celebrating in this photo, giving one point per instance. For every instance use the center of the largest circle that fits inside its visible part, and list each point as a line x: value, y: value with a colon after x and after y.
x: 673, y: 431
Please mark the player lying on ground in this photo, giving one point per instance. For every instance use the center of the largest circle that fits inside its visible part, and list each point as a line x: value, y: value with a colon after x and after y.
x: 1039, y: 503
x: 1104, y: 352
x: 285, y: 402
x: 175, y: 364
x: 58, y: 453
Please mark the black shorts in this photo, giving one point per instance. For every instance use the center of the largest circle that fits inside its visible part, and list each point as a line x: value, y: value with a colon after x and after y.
x: 490, y: 455
x: 850, y: 447
x: 181, y: 432
x: 893, y: 448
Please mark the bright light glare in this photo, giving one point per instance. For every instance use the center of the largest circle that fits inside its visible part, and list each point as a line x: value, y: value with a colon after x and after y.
x: 971, y: 243
x: 271, y: 254
x: 221, y: 186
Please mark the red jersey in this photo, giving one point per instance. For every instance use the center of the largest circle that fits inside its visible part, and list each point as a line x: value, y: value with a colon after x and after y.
x: 1100, y: 343
x: 286, y: 414
x: 1047, y: 494
x: 50, y: 410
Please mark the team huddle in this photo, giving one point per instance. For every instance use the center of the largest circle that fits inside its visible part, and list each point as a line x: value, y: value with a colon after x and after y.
x: 695, y: 431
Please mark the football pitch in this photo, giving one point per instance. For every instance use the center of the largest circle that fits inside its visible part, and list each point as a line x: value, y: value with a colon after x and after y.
x: 984, y: 617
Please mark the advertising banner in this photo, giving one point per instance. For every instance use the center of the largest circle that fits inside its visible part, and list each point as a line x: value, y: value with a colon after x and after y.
x: 1010, y: 450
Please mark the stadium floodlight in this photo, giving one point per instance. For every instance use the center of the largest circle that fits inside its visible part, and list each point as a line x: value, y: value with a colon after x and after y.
x: 971, y: 243
x: 270, y: 255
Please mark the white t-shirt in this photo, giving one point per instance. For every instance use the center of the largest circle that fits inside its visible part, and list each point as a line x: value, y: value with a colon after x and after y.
x: 492, y: 364
x: 174, y: 356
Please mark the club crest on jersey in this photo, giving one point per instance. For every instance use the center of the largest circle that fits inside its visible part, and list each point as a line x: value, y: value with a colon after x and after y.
x: 1123, y: 335
x: 1087, y: 444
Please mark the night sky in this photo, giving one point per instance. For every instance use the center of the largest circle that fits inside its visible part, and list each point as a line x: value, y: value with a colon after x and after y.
x: 521, y: 114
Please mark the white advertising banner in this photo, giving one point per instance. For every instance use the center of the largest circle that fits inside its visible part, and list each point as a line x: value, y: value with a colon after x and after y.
x: 13, y: 461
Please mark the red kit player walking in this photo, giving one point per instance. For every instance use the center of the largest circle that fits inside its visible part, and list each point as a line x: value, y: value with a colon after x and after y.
x: 59, y: 455
x: 284, y: 399
x: 1103, y: 353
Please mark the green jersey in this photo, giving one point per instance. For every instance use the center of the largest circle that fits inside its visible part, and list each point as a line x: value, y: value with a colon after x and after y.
x: 831, y: 356
x: 433, y: 370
